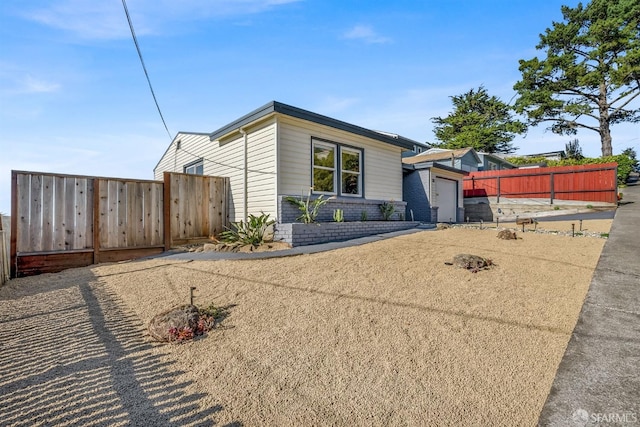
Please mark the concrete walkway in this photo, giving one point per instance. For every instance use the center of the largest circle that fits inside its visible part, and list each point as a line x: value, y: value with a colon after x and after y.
x: 598, y: 380
x: 298, y: 250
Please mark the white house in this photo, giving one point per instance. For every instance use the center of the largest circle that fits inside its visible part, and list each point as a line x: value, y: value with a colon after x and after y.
x: 279, y: 150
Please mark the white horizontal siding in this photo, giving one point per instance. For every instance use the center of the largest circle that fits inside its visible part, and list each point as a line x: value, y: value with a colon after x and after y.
x: 262, y: 170
x: 382, y: 162
x: 174, y: 160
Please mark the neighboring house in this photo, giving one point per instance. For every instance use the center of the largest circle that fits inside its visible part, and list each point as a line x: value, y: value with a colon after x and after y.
x: 551, y: 155
x: 418, y: 147
x: 279, y: 150
x: 433, y: 191
x: 465, y: 159
x: 490, y: 162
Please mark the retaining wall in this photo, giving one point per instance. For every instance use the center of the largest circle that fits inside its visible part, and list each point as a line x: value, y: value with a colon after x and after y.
x: 299, y: 234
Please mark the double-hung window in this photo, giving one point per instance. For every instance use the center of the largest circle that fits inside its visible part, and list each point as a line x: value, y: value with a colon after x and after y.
x: 337, y: 169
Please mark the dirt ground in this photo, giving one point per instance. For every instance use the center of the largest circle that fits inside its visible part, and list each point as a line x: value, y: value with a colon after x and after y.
x: 379, y: 334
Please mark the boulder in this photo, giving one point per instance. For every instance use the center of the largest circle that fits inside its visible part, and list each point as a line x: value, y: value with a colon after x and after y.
x: 474, y: 263
x: 178, y: 319
x: 507, y: 235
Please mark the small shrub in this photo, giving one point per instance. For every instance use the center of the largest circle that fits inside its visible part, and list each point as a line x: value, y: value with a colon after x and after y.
x: 181, y: 334
x: 387, y: 210
x: 556, y: 208
x: 207, y: 319
x: 604, y: 235
x: 309, y: 208
x: 251, y: 232
x: 338, y: 215
x: 363, y: 216
x: 589, y: 206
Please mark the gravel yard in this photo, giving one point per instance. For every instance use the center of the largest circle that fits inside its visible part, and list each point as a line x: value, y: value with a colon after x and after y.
x: 379, y: 334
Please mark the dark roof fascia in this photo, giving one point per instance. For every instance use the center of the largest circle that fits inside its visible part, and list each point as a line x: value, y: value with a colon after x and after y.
x: 427, y: 165
x: 278, y: 107
x: 174, y: 140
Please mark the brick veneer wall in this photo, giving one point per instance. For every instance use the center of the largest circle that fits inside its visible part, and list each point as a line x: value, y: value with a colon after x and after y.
x: 299, y: 234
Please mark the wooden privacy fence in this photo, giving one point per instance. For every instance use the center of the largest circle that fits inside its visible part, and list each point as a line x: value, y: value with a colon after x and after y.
x: 64, y: 221
x: 597, y: 183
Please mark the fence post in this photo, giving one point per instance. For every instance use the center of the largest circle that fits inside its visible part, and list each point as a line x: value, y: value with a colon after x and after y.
x: 551, y: 189
x: 498, y: 189
x: 166, y: 209
x: 13, y: 238
x: 96, y: 220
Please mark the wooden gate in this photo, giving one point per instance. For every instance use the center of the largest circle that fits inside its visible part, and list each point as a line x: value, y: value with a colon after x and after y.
x: 64, y: 221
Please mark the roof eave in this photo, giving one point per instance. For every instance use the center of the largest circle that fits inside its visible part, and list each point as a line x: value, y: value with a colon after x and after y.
x: 278, y: 107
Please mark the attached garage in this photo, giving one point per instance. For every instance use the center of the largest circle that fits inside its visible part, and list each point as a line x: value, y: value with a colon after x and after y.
x: 433, y: 192
x: 446, y: 198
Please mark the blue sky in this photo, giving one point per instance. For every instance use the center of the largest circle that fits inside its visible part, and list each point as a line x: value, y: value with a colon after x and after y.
x: 74, y: 99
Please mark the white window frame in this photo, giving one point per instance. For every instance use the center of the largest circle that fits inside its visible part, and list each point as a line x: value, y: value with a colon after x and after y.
x: 357, y: 151
x: 336, y: 154
x: 337, y: 166
x: 194, y: 166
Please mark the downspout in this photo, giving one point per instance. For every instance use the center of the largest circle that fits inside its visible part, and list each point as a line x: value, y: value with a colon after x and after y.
x: 246, y: 175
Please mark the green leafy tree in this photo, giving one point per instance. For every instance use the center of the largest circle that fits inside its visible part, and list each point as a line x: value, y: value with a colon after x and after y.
x: 480, y: 121
x: 591, y: 73
x: 573, y: 150
x: 631, y: 153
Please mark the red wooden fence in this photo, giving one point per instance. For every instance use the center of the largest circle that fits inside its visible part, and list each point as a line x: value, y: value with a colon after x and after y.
x: 597, y: 183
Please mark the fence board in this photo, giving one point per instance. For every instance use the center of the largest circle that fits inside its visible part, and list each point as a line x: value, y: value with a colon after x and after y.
x: 35, y: 214
x: 23, y: 189
x: 4, y: 256
x: 69, y: 213
x: 59, y: 231
x: 147, y: 229
x: 156, y: 215
x: 48, y: 209
x: 83, y: 211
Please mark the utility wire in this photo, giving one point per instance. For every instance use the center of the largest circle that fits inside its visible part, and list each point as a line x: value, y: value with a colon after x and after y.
x: 240, y: 168
x: 135, y: 41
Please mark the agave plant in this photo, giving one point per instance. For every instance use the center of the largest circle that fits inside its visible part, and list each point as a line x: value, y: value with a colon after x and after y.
x: 309, y: 208
x: 251, y: 232
x: 387, y: 210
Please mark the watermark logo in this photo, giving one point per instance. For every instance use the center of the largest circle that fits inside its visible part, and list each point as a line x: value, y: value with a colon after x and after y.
x: 582, y: 417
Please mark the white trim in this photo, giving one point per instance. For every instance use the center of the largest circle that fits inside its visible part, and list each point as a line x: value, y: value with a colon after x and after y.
x: 326, y: 145
x: 358, y: 173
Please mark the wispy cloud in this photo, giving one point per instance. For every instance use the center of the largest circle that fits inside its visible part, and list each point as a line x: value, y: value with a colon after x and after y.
x: 367, y: 34
x: 90, y: 19
x: 334, y: 104
x: 31, y: 84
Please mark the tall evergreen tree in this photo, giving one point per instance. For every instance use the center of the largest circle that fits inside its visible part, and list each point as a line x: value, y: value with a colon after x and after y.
x: 480, y: 121
x: 591, y: 74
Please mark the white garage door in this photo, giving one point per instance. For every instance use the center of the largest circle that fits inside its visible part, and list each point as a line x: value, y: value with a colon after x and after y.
x: 446, y: 196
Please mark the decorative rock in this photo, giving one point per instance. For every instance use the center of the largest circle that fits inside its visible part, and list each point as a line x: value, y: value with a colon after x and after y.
x: 507, y: 235
x: 185, y: 316
x: 474, y: 263
x: 209, y: 247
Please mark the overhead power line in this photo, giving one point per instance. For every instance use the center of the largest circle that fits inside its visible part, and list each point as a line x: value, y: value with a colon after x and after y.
x: 135, y: 41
